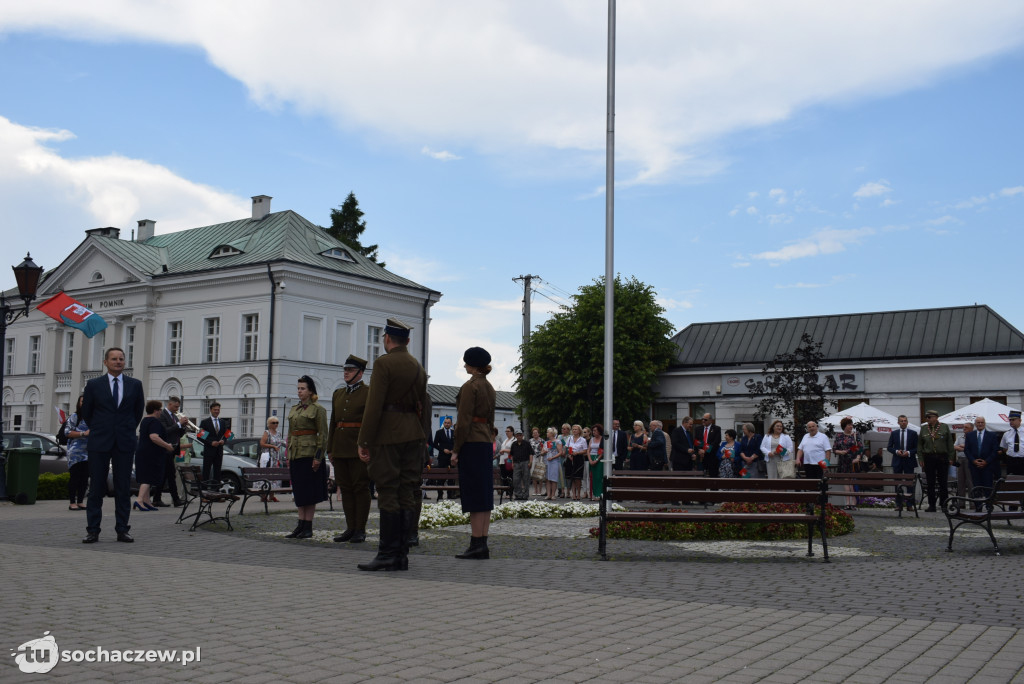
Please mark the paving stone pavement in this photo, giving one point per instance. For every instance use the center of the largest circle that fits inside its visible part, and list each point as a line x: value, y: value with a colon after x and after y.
x: 892, y: 606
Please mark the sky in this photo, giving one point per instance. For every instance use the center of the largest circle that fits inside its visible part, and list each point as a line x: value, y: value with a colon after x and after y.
x: 772, y: 159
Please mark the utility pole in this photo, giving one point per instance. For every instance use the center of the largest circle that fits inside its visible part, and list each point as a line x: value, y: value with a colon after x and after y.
x: 526, y: 329
x: 609, y: 237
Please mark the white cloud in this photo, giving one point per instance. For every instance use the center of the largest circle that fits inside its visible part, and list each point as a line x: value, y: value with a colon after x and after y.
x: 735, y: 210
x: 751, y: 210
x: 83, y: 193
x: 442, y: 155
x: 827, y: 241
x: 508, y: 77
x: 753, y: 194
x: 670, y: 304
x: 775, y: 219
x: 418, y: 268
x: 873, y: 189
x: 1009, y: 192
x: 453, y: 329
x: 889, y: 202
x: 942, y: 220
x: 778, y: 194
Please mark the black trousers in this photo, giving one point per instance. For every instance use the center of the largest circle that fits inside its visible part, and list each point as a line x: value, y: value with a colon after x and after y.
x: 936, y: 468
x: 211, y: 464
x: 813, y: 471
x: 119, y: 463
x: 78, y: 481
x: 710, y: 465
x: 682, y: 462
x: 170, y: 472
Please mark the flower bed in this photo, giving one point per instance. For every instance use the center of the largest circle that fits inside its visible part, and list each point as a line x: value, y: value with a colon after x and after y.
x: 836, y: 523
x: 874, y: 502
x: 448, y: 513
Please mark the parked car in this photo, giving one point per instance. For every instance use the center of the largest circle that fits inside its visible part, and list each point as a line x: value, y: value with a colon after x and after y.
x: 54, y: 458
x: 248, y: 447
x: 230, y: 467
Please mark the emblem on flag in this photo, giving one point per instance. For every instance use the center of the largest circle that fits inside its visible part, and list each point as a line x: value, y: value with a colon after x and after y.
x: 70, y: 312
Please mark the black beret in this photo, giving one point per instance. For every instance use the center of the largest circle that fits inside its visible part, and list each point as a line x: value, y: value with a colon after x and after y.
x: 477, y: 357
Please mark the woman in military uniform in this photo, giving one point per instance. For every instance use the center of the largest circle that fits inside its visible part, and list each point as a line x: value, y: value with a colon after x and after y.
x: 307, y: 440
x: 473, y: 449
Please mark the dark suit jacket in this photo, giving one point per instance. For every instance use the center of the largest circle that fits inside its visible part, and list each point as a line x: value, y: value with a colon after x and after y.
x: 714, y: 440
x: 173, y: 429
x: 988, y: 449
x: 442, y: 442
x: 656, y: 448
x: 619, y: 446
x: 682, y: 442
x: 214, y: 435
x: 894, y: 443
x: 112, y: 427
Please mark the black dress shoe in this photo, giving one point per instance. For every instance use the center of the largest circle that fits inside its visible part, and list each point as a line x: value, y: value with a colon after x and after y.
x: 930, y: 509
x: 179, y: 503
x: 345, y: 536
x: 91, y: 538
x: 357, y: 538
x: 124, y: 537
x: 160, y: 504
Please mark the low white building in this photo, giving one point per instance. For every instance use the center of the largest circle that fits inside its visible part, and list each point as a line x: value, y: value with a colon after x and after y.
x: 902, y: 362
x: 233, y: 312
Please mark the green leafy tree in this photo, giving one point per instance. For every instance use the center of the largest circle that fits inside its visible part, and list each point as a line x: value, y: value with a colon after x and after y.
x: 347, y: 225
x: 561, y: 376
x: 792, y: 389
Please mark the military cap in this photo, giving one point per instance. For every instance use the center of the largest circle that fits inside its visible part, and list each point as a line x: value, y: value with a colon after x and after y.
x: 477, y: 357
x: 354, y: 361
x: 397, y: 329
x: 931, y: 412
x: 1014, y: 413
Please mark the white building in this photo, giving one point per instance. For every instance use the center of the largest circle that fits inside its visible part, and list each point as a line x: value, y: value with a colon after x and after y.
x: 233, y: 312
x: 902, y: 362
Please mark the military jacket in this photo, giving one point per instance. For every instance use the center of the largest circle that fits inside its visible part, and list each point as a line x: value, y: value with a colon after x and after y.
x: 313, y: 417
x: 476, y: 399
x: 397, y: 398
x: 942, y: 443
x: 347, y: 408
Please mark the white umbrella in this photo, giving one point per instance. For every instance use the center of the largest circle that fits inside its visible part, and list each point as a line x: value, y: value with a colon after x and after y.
x: 882, y: 421
x: 996, y: 415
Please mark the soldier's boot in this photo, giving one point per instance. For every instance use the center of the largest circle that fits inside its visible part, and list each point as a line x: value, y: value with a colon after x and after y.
x: 387, y: 549
x: 411, y: 526
x: 407, y: 519
x: 298, y: 528
x: 477, y: 549
x: 307, y: 530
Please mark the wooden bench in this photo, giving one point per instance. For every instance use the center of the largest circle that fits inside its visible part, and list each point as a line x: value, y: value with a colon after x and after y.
x: 900, y: 483
x: 205, y: 494
x: 657, y: 488
x: 260, y: 482
x: 441, y: 476
x: 1007, y: 493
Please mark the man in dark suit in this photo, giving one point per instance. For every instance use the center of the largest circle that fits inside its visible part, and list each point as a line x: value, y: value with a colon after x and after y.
x: 903, y: 447
x: 619, y: 445
x: 707, y: 438
x: 682, y: 445
x: 113, y: 406
x: 981, y: 448
x: 657, y: 452
x: 444, y: 443
x: 213, y: 445
x: 175, y: 429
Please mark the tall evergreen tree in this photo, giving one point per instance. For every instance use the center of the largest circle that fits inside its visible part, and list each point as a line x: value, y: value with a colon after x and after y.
x: 347, y: 225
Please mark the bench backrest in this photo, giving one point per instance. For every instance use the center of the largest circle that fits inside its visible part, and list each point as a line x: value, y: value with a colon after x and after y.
x: 712, y: 489
x: 440, y: 474
x: 1009, y: 490
x: 872, y: 479
x: 255, y: 474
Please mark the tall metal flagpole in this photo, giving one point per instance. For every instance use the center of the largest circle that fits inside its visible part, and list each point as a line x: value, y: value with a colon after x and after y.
x: 609, y: 240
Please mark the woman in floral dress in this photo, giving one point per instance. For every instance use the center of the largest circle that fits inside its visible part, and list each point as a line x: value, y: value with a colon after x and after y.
x: 848, y: 448
x: 540, y: 466
x: 727, y: 454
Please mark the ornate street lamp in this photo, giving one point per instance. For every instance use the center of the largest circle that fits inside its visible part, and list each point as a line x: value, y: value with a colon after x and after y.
x: 27, y: 275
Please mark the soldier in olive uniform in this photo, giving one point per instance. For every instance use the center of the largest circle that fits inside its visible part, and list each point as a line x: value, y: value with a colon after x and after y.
x: 307, y: 441
x: 350, y: 472
x: 935, y: 453
x: 392, y: 443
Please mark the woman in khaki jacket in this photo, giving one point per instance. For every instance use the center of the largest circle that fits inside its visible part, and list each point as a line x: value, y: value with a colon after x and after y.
x: 307, y: 440
x: 473, y: 449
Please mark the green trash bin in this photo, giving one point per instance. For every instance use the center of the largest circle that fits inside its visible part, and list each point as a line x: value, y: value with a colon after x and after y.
x: 23, y: 474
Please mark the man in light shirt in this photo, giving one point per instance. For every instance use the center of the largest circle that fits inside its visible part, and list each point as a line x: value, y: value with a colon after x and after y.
x: 813, y: 452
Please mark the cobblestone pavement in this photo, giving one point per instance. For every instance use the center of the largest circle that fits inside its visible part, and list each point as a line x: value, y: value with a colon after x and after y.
x: 892, y: 606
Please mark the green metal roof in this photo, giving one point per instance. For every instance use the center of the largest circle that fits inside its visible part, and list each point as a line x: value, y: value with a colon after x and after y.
x: 280, y: 236
x: 444, y: 395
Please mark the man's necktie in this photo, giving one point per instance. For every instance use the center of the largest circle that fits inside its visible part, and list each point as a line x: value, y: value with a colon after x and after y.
x: 216, y: 425
x: 448, y: 434
x: 117, y: 399
x: 1016, y: 441
x: 903, y: 440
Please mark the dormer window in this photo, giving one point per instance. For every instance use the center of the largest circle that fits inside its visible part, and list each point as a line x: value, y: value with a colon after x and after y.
x: 96, y: 277
x: 337, y: 253
x: 224, y: 251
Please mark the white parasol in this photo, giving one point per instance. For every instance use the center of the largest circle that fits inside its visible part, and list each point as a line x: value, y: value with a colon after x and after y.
x: 996, y: 415
x: 882, y: 421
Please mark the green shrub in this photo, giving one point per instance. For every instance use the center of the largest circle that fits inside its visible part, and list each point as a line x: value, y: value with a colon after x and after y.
x: 837, y: 523
x: 52, y: 487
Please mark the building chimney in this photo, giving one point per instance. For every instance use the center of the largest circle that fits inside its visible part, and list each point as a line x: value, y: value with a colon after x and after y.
x: 147, y: 229
x: 260, y: 206
x: 108, y: 232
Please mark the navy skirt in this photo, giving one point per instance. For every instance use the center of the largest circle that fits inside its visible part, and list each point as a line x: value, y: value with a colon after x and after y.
x: 308, y: 487
x: 476, y: 477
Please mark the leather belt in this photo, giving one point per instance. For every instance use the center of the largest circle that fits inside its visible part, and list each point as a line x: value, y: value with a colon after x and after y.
x: 479, y: 420
x: 345, y: 425
x: 399, y: 408
x: 299, y: 433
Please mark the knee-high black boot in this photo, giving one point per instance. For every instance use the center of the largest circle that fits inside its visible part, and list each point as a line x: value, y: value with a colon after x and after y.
x: 387, y: 549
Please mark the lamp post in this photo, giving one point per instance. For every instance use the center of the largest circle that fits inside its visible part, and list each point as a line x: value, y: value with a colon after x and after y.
x: 27, y: 276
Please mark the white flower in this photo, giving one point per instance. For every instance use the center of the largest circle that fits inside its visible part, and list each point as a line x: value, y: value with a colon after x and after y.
x: 448, y: 513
